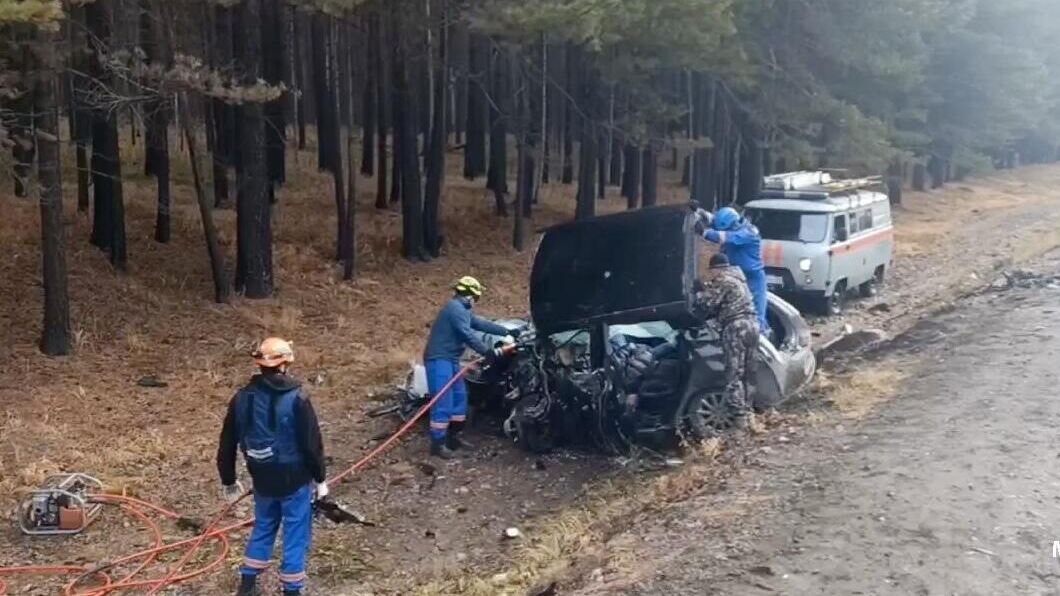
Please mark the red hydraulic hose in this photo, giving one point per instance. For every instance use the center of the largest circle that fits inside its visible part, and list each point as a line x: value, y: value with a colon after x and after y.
x: 174, y: 575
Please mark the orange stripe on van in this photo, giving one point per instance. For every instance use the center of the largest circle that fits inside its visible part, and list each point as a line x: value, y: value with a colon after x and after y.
x: 773, y: 254
x: 863, y: 242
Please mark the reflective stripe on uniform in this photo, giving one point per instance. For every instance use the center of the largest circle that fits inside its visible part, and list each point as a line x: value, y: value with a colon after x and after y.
x: 265, y: 453
x: 290, y: 578
x: 458, y: 418
x: 255, y: 563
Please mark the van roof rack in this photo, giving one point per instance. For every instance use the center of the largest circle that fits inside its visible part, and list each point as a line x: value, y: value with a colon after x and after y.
x: 813, y: 185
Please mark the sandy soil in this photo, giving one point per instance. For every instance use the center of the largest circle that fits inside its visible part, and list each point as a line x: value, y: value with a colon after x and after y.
x: 86, y: 412
x: 947, y: 489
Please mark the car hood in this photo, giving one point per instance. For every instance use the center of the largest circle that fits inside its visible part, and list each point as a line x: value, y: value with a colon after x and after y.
x: 625, y: 268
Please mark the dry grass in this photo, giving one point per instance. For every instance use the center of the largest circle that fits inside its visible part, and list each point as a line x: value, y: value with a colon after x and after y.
x: 857, y: 394
x: 555, y: 543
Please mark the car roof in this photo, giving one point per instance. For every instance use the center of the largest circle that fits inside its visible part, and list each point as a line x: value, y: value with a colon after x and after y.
x: 797, y: 201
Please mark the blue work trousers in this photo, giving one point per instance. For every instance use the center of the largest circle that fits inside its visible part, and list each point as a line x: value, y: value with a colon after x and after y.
x: 756, y: 281
x: 452, y: 407
x: 296, y: 513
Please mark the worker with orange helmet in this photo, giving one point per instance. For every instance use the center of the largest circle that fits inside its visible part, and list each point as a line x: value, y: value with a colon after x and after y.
x: 273, y: 423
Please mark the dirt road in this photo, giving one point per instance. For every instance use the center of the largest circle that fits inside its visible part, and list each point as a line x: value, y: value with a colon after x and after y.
x: 950, y: 488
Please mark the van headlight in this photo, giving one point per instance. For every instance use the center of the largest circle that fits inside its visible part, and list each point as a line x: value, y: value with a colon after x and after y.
x: 805, y: 264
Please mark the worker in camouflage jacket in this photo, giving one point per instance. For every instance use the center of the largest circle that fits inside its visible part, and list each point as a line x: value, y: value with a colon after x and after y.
x: 726, y: 298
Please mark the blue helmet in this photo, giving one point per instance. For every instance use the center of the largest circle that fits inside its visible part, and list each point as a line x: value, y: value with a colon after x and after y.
x: 725, y: 219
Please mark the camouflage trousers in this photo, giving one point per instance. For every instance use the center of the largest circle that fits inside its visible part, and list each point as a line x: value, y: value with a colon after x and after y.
x: 739, y: 340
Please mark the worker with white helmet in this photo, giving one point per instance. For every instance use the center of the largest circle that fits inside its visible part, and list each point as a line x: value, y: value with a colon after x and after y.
x: 273, y: 423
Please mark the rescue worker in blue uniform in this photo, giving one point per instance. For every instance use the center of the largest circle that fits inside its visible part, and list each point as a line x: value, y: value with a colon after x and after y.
x: 273, y: 423
x: 742, y: 244
x: 453, y: 330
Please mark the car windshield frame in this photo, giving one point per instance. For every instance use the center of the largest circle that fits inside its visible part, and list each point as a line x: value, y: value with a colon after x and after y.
x: 769, y: 231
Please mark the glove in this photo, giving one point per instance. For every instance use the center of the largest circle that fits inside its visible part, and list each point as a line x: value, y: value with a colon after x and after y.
x: 515, y: 333
x: 232, y: 492
x: 493, y: 356
x: 322, y: 491
x: 703, y: 220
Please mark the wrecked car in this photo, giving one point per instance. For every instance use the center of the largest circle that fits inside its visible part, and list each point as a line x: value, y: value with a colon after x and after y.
x: 620, y: 357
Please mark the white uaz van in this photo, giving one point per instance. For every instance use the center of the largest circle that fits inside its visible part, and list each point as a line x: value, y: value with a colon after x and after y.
x: 822, y: 238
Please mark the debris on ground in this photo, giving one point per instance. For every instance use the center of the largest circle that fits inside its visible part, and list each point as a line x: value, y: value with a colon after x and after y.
x: 152, y: 382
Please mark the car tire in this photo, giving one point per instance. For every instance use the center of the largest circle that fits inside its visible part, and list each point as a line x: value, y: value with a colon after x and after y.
x: 707, y: 415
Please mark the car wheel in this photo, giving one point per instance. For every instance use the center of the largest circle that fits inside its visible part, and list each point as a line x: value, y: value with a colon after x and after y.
x: 708, y: 415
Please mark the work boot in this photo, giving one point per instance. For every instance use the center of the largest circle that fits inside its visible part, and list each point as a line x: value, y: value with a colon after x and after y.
x: 453, y: 441
x: 292, y: 593
x: 440, y: 450
x: 248, y: 586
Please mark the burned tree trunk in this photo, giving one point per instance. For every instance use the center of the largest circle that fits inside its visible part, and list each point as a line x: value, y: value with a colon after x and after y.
x: 631, y: 176
x: 372, y: 121
x: 223, y: 114
x: 405, y: 128
x: 274, y: 69
x: 919, y: 177
x: 572, y: 71
x: 477, y: 106
x: 55, y: 334
x: 497, y: 178
x: 156, y: 116
x: 649, y: 177
x: 254, y: 211
x: 383, y: 103
x: 432, y: 235
x: 108, y: 224
x: 80, y: 118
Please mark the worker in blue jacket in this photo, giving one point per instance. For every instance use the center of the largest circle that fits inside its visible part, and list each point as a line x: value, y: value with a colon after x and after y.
x: 273, y: 423
x: 453, y: 330
x: 742, y: 244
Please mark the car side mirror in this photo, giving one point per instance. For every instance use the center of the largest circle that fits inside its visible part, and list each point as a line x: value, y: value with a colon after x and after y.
x: 841, y: 235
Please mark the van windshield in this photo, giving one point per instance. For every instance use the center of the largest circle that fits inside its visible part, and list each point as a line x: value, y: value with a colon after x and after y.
x: 792, y: 226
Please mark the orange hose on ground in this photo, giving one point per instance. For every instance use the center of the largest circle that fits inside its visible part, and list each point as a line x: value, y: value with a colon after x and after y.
x: 173, y: 575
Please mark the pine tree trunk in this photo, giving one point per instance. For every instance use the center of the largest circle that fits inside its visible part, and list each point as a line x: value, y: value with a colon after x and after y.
x: 299, y: 76
x: 156, y: 117
x: 254, y: 211
x: 405, y: 129
x: 631, y: 177
x: 383, y: 103
x: 919, y: 177
x: 55, y: 333
x: 371, y: 112
x: 108, y: 229
x: 649, y: 177
x: 81, y: 119
x: 274, y: 69
x: 330, y: 137
x: 221, y: 287
x: 477, y: 106
x: 224, y: 115
x: 497, y: 177
x: 573, y: 73
x: 349, y: 269
x: 432, y: 234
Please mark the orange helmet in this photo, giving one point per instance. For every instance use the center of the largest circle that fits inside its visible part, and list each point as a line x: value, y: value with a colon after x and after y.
x: 273, y: 352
